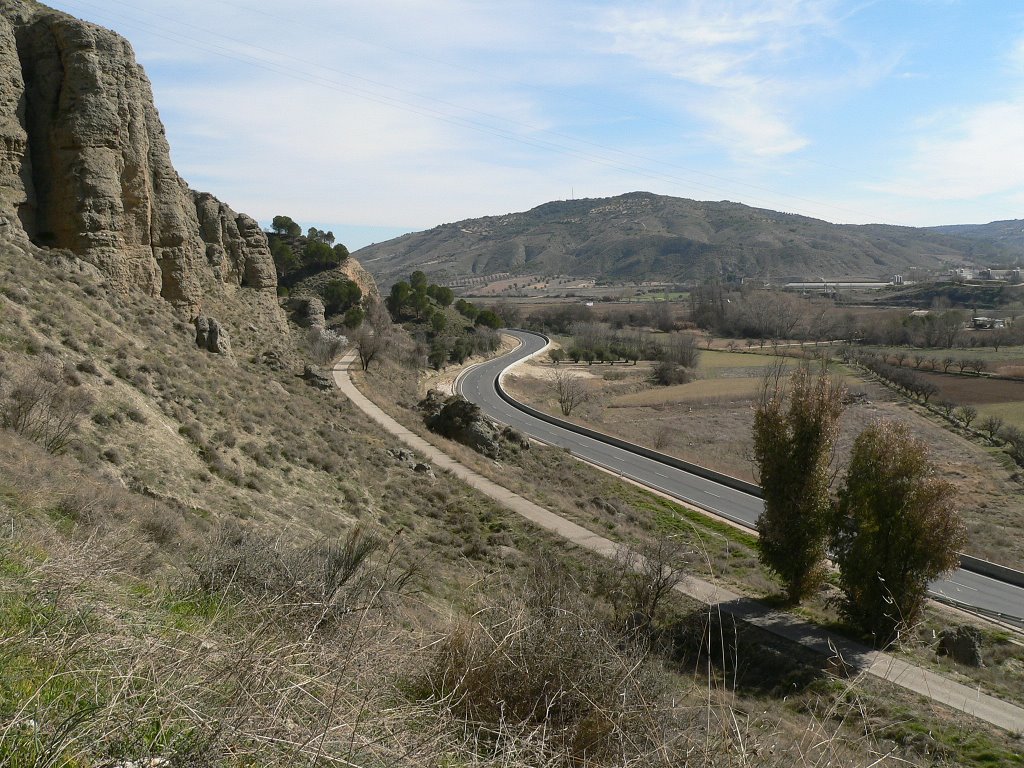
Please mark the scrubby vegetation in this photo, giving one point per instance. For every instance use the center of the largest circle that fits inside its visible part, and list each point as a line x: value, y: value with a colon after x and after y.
x: 444, y: 330
x: 222, y: 565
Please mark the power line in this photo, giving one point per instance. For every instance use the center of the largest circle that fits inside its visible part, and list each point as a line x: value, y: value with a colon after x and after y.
x: 410, y: 101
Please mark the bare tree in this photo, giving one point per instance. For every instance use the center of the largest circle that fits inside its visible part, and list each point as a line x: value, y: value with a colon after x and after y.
x: 640, y: 578
x: 41, y: 405
x: 570, y: 391
x: 992, y: 425
x: 373, y: 336
x: 967, y: 414
x: 682, y: 350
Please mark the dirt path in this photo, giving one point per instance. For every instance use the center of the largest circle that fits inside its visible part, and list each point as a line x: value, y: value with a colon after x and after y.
x: 882, y: 665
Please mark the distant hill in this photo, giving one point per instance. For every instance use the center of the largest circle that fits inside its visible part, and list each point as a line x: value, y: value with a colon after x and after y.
x: 646, y: 236
x: 1006, y: 234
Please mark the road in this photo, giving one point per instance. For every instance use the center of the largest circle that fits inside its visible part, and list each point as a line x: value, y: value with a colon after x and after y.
x: 970, y: 590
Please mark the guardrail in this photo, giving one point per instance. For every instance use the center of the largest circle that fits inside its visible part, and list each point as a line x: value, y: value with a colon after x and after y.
x: 967, y: 562
x: 694, y: 469
x: 992, y: 570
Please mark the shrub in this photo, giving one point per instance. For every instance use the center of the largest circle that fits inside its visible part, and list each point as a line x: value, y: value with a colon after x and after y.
x: 315, y: 585
x: 667, y: 373
x: 536, y: 666
x: 41, y: 405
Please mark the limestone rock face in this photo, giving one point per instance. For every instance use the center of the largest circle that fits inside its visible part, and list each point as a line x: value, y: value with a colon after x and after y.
x: 85, y: 165
x: 236, y: 248
x: 212, y: 336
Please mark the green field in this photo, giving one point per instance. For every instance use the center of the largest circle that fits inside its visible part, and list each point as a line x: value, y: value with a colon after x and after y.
x: 1011, y: 413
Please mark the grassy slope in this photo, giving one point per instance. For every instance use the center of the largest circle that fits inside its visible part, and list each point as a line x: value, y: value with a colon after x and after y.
x: 163, y: 589
x: 604, y: 504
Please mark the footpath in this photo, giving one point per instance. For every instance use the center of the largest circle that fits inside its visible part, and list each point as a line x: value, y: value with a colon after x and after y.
x: 845, y: 653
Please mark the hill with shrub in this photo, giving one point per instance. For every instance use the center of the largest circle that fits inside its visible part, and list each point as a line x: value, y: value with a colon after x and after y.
x: 641, y: 236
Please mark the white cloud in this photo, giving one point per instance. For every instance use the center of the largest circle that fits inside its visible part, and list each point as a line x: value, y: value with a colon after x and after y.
x: 969, y: 155
x: 738, y: 56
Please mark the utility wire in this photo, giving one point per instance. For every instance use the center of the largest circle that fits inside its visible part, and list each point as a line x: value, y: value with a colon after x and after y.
x: 407, y: 100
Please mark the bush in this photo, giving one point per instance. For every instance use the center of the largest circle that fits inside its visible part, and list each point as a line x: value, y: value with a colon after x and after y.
x: 536, y: 666
x: 315, y: 585
x: 41, y: 405
x: 666, y: 373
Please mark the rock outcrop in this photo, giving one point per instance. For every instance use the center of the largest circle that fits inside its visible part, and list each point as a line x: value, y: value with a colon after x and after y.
x: 85, y: 166
x: 212, y: 336
x: 458, y: 419
x: 236, y: 247
x: 962, y: 644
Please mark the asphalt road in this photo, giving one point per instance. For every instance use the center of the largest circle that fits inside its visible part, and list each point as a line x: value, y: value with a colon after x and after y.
x: 974, y: 591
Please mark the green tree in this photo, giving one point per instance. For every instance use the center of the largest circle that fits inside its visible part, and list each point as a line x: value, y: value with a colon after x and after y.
x: 283, y: 225
x: 286, y: 261
x: 353, y: 317
x: 438, y: 355
x: 327, y: 238
x: 340, y: 295
x: 396, y: 300
x: 794, y: 436
x: 896, y: 529
x: 467, y: 309
x: 418, y: 282
x: 488, y: 319
x: 317, y: 255
x: 443, y: 296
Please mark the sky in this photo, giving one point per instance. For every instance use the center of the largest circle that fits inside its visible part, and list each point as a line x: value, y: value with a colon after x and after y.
x: 375, y: 119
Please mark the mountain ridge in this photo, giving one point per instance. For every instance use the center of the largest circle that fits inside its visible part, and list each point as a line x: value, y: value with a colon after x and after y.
x: 640, y: 235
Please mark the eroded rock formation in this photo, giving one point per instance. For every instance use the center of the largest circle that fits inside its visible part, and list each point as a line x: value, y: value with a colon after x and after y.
x: 85, y: 165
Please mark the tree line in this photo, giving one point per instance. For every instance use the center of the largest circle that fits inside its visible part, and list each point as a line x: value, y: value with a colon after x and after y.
x: 297, y: 256
x: 766, y: 314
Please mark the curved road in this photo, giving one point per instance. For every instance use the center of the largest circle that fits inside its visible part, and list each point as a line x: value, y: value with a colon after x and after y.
x: 478, y: 384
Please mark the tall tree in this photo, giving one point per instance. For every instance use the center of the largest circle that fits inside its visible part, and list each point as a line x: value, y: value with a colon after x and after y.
x: 284, y: 225
x: 896, y: 529
x: 793, y: 444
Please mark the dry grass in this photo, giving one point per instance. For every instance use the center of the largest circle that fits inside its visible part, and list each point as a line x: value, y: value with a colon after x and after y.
x: 190, y: 582
x: 701, y: 391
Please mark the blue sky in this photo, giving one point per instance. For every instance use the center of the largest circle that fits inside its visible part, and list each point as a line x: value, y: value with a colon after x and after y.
x: 373, y: 119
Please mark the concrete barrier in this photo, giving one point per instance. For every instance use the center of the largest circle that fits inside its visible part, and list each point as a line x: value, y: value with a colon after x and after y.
x: 695, y: 469
x: 992, y: 570
x: 967, y: 562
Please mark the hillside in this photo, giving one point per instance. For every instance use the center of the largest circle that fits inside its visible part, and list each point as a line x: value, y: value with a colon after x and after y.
x: 1007, y: 234
x: 641, y: 236
x: 209, y: 557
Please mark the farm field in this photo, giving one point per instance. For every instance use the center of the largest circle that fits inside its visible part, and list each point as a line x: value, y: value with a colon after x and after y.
x: 996, y: 397
x: 991, y: 396
x: 996, y: 359
x: 708, y: 422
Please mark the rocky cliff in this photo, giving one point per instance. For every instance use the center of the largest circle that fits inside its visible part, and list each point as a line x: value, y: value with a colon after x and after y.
x: 85, y: 166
